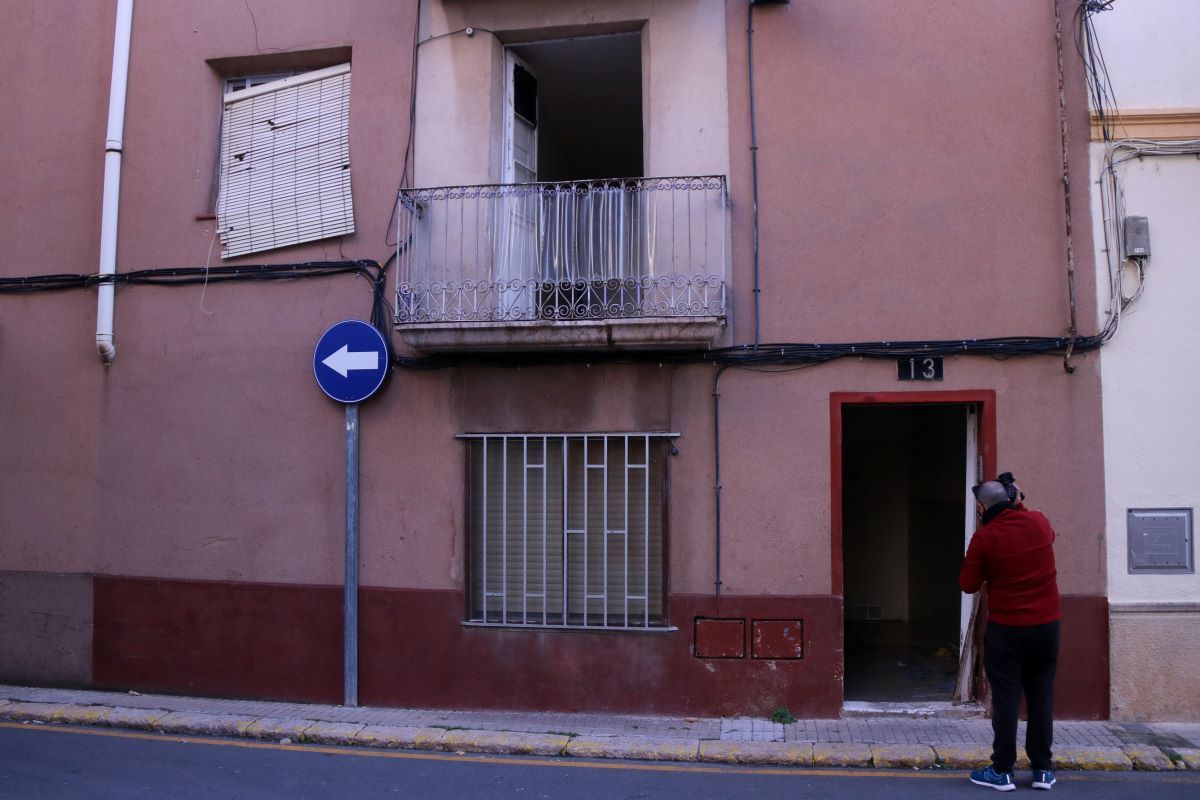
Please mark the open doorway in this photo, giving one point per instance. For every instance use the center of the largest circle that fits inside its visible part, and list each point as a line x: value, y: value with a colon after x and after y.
x: 905, y: 473
x: 577, y: 108
x: 577, y: 231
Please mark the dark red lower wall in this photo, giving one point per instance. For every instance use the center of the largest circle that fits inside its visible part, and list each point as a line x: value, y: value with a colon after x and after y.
x: 284, y: 642
x: 218, y: 639
x: 1081, y: 689
x: 416, y: 652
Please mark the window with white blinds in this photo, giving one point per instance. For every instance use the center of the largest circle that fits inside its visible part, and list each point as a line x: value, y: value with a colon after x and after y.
x: 285, y: 162
x: 567, y: 530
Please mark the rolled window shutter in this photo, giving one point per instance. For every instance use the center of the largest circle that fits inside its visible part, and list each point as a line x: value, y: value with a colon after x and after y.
x: 285, y: 163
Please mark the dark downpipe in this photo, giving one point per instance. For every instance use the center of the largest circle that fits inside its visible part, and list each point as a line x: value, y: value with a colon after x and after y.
x: 753, y: 162
x: 716, y: 394
x: 1066, y: 182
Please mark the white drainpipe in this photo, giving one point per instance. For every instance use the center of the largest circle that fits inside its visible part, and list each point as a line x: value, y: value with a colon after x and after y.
x: 112, y: 179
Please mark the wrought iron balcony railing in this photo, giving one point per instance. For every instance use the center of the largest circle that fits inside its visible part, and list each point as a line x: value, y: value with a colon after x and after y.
x: 584, y: 250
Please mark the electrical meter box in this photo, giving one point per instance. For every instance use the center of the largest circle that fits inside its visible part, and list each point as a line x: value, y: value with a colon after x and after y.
x: 1160, y: 540
x: 1137, y: 237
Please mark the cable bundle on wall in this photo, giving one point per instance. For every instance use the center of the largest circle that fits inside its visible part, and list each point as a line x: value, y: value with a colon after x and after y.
x: 1117, y: 152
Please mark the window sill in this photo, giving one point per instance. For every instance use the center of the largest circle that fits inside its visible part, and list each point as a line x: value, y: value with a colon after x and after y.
x: 618, y: 334
x: 572, y: 628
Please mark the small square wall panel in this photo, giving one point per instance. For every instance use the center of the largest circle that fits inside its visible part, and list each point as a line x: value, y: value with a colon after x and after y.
x: 720, y: 638
x: 777, y: 638
x: 1160, y: 540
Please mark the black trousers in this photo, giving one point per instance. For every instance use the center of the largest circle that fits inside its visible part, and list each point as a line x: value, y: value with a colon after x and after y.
x: 1020, y: 658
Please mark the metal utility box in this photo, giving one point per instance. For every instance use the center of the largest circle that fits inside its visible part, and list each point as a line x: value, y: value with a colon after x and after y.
x: 1160, y: 540
x: 1137, y: 237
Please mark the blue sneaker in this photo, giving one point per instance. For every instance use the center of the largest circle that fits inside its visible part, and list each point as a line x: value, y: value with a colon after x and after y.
x: 1003, y: 781
x: 1043, y: 778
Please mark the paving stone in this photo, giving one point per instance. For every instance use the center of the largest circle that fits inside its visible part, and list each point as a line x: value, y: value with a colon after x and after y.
x: 786, y: 753
x: 841, y: 754
x: 963, y: 756
x: 276, y: 728
x: 187, y: 722
x: 505, y: 742
x: 406, y: 737
x: 1190, y: 756
x: 634, y: 747
x: 1150, y: 759
x: 42, y: 712
x: 1091, y: 758
x: 900, y: 756
x: 332, y: 732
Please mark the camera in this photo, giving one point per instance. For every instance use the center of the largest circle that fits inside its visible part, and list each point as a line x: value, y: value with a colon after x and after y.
x: 1007, y: 480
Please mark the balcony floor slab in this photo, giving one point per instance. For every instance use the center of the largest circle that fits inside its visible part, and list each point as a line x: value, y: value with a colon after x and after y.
x: 611, y: 334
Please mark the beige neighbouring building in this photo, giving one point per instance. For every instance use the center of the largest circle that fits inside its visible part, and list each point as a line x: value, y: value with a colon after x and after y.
x: 1151, y: 166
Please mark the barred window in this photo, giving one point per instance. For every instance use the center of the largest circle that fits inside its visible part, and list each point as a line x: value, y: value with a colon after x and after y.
x: 567, y: 530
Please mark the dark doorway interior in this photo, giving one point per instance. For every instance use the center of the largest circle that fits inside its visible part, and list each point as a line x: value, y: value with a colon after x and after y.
x: 903, y: 506
x: 589, y: 101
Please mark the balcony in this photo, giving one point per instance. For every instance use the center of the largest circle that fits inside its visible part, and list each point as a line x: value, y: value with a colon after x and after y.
x: 623, y: 263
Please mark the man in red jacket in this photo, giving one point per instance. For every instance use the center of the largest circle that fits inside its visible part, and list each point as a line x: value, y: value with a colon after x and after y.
x: 1013, y: 552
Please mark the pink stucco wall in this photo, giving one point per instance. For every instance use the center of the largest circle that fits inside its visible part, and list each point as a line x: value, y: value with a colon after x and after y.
x: 205, y: 450
x: 909, y: 164
x: 910, y: 190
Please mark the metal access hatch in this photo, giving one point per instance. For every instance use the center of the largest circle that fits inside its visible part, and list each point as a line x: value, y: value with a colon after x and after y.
x: 1160, y: 540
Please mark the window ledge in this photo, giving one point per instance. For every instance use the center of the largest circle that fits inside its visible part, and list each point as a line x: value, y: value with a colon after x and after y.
x: 619, y: 334
x: 571, y: 628
x: 1166, y: 607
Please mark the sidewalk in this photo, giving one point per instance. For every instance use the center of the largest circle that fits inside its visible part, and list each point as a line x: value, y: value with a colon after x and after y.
x: 872, y: 741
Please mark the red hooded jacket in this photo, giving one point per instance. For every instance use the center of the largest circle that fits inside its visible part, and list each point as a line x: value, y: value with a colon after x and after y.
x: 1014, y: 553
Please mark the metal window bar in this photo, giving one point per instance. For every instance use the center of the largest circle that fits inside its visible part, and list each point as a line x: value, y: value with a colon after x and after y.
x: 572, y: 250
x: 485, y: 516
x: 646, y: 534
x: 525, y: 529
x: 625, y: 532
x: 587, y: 595
x: 609, y: 485
x: 545, y: 531
x: 504, y: 532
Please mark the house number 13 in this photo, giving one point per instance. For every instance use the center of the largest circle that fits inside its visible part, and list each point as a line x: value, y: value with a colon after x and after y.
x: 920, y: 368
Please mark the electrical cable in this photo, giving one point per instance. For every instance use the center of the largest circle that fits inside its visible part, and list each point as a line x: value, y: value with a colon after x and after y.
x: 777, y: 356
x: 1100, y: 91
x: 412, y: 123
x: 180, y: 276
x: 1112, y: 211
x: 1117, y: 152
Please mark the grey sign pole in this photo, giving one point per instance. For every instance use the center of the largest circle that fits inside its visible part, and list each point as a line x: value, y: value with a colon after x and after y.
x: 350, y: 363
x: 350, y: 604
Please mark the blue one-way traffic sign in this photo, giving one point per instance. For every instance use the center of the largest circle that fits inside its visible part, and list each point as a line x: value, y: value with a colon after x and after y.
x: 351, y: 361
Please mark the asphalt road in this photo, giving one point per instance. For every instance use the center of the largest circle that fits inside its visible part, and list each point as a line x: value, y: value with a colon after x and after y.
x: 41, y: 761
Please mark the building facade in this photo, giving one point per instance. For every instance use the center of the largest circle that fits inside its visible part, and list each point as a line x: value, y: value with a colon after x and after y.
x: 702, y: 337
x: 1146, y: 171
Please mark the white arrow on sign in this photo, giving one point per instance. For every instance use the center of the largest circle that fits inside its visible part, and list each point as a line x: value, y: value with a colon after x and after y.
x: 343, y: 361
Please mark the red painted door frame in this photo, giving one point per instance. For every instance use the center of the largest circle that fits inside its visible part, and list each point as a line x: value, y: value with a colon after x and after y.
x: 985, y: 399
